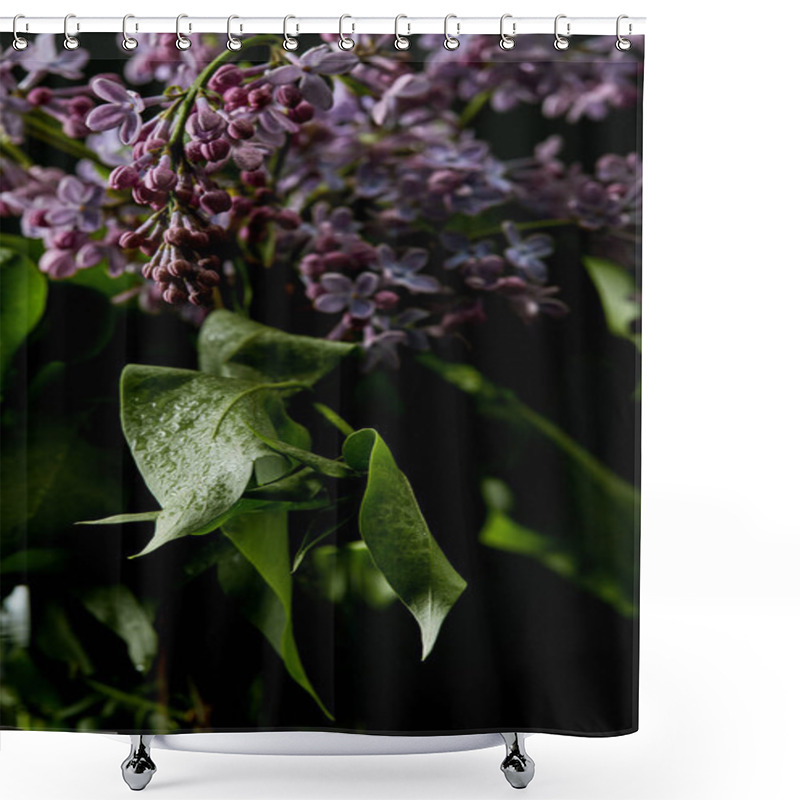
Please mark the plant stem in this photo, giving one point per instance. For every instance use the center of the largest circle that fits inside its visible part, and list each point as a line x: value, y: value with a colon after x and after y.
x: 521, y: 226
x: 11, y: 151
x: 500, y: 403
x: 473, y: 108
x: 45, y: 132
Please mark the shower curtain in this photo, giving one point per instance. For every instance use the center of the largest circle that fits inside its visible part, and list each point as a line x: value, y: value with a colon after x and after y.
x: 320, y: 385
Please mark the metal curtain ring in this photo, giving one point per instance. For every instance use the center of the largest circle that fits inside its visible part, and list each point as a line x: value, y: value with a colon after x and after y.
x: 233, y: 43
x: 623, y: 44
x: 507, y: 42
x: 181, y: 42
x: 289, y: 42
x: 401, y: 42
x: 561, y: 43
x: 19, y: 43
x: 451, y: 42
x: 128, y: 42
x: 70, y: 42
x: 345, y: 42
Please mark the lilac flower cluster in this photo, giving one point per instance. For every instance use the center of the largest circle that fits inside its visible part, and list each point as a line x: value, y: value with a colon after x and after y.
x: 357, y: 168
x: 575, y: 86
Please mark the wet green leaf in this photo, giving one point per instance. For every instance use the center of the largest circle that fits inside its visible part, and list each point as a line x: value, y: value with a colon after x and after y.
x: 398, y: 537
x: 236, y: 346
x: 617, y: 290
x: 258, y: 577
x: 117, y: 608
x: 605, y: 578
x: 190, y: 434
x: 50, y: 479
x: 326, y: 466
x: 23, y: 294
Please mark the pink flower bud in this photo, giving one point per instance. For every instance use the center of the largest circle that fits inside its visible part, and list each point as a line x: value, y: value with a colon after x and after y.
x: 235, y: 98
x: 130, y: 240
x: 40, y: 96
x: 226, y: 76
x: 161, y: 179
x: 289, y: 96
x: 123, y: 177
x: 289, y: 220
x: 385, y: 300
x: 216, y: 150
x: 241, y: 129
x: 174, y: 295
x: 194, y: 151
x: 259, y: 98
x: 302, y: 113
x: 216, y: 201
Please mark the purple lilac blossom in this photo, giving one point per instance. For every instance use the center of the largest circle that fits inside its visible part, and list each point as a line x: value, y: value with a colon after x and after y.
x: 122, y: 109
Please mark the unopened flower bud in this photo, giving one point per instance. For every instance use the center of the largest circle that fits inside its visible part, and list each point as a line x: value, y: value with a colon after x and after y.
x: 289, y: 96
x: 40, y: 96
x: 385, y: 299
x: 123, y: 177
x: 241, y: 129
x: 303, y: 112
x: 216, y: 201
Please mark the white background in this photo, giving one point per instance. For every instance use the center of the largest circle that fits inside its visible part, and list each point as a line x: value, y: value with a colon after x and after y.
x: 720, y: 696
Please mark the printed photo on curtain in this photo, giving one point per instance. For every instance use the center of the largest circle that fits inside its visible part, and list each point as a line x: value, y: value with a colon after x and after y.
x: 320, y: 384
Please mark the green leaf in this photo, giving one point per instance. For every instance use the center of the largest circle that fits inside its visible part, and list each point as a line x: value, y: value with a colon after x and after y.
x: 333, y: 469
x: 56, y: 639
x: 99, y: 279
x: 502, y: 533
x: 143, y: 516
x: 191, y: 436
x: 262, y: 539
x: 23, y: 294
x: 617, y: 290
x: 50, y: 479
x: 606, y: 568
x: 235, y: 346
x: 499, y: 403
x: 334, y: 419
x: 117, y: 608
x: 398, y: 537
x: 36, y: 559
x: 349, y: 571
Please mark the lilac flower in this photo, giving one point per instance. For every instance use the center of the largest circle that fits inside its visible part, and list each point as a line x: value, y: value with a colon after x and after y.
x: 405, y: 271
x: 122, y: 109
x: 464, y: 251
x: 407, y: 86
x: 318, y: 61
x: 341, y: 293
x: 526, y: 254
x: 44, y: 58
x: 76, y: 205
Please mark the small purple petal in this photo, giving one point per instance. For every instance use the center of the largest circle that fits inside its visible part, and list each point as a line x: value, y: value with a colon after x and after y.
x: 248, y: 158
x: 420, y: 283
x: 58, y: 263
x: 287, y: 74
x: 111, y: 91
x: 316, y: 91
x: 335, y: 62
x: 336, y: 283
x: 105, y: 117
x: 131, y: 128
x: 331, y: 303
x: 367, y: 283
x: 415, y: 259
x: 72, y: 191
x: 360, y: 308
